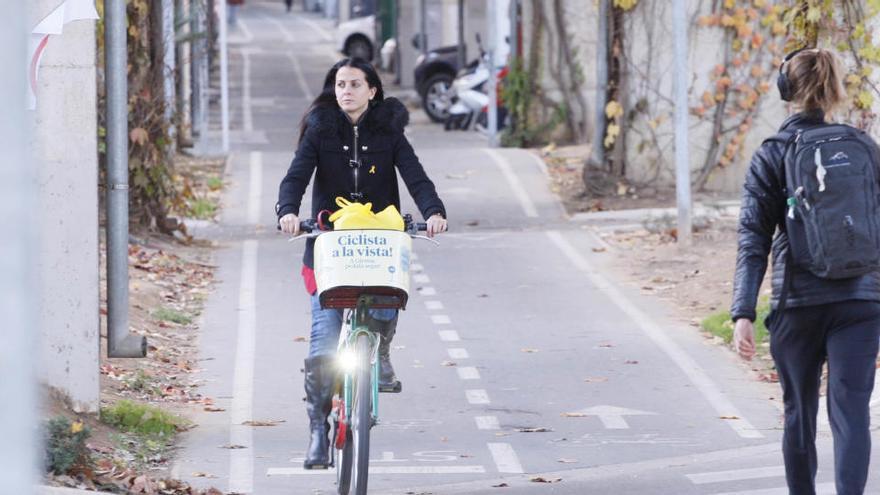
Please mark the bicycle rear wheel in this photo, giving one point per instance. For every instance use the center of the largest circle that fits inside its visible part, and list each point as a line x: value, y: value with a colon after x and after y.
x: 361, y: 415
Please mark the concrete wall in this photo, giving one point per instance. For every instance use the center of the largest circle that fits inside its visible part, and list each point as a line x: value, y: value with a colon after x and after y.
x: 649, y: 50
x: 65, y: 151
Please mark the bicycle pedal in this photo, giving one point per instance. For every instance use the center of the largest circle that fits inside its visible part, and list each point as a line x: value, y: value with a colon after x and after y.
x: 394, y: 388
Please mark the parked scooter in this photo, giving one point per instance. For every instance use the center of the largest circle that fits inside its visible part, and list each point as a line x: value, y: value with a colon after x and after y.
x: 469, y: 93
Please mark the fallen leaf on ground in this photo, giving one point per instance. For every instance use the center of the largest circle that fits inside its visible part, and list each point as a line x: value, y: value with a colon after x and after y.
x: 232, y: 447
x: 456, y: 176
x: 502, y: 434
x: 500, y: 485
x: 529, y: 350
x: 596, y: 379
x: 599, y: 250
x: 472, y: 223
x: 573, y: 415
x: 566, y: 461
x: 728, y: 417
x: 630, y: 361
x: 448, y: 363
x: 270, y: 422
x: 214, y: 409
x: 541, y: 479
x: 534, y: 429
x: 300, y: 339
x: 200, y: 474
x: 606, y: 344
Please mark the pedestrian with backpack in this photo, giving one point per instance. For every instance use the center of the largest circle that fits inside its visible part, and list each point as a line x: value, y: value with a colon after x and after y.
x: 812, y: 198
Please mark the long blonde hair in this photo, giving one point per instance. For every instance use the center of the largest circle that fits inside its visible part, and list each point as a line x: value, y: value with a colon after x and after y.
x: 817, y: 80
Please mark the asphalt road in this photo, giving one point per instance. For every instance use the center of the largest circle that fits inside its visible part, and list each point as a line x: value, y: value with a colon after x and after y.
x: 514, y: 326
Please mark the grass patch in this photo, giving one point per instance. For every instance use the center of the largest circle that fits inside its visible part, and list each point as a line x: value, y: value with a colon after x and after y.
x: 167, y: 314
x: 202, y: 208
x: 142, y: 382
x: 142, y: 419
x: 215, y: 183
x: 719, y: 324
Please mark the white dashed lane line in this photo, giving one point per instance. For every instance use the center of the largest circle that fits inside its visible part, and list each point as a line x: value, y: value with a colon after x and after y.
x: 458, y: 353
x: 503, y: 454
x: 487, y: 423
x: 449, y: 336
x: 440, y: 319
x: 477, y: 396
x: 468, y: 373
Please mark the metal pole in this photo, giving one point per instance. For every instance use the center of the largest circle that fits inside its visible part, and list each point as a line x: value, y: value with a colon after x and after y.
x: 184, y: 50
x: 169, y: 65
x: 682, y: 165
x: 18, y: 283
x: 423, y: 27
x: 196, y: 57
x: 461, y: 55
x: 119, y: 342
x: 224, y: 77
x: 601, y: 84
x: 493, y: 75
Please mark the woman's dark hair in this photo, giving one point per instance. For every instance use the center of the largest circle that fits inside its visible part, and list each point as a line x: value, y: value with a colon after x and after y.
x: 327, y: 98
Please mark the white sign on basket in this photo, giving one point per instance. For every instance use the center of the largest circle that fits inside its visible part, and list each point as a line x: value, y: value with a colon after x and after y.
x: 359, y: 258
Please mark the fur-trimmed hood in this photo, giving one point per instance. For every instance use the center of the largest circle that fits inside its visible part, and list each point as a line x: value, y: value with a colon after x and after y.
x: 387, y: 117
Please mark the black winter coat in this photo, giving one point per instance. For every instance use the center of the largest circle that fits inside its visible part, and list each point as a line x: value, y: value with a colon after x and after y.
x: 762, y: 211
x: 327, y: 149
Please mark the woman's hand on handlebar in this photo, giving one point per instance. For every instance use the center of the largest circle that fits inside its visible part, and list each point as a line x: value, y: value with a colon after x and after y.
x: 436, y: 224
x: 289, y: 224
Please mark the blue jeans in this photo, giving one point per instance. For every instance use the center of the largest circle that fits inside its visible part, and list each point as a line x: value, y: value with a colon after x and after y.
x: 327, y: 323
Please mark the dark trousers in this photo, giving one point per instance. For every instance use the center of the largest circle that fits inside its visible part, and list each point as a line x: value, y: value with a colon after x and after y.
x: 801, y: 339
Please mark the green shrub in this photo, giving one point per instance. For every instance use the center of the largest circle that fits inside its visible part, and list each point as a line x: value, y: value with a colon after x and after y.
x: 141, y: 419
x: 167, y: 314
x: 66, y: 445
x: 202, y: 208
x: 215, y: 183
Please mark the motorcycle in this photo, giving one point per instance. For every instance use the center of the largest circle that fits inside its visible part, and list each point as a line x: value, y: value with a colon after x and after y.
x: 469, y: 94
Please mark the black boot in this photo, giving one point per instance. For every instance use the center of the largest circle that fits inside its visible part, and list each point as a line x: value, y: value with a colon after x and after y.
x: 388, y: 381
x: 319, y: 380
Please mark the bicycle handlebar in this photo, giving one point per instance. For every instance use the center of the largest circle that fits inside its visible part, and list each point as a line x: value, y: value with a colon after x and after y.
x: 309, y: 226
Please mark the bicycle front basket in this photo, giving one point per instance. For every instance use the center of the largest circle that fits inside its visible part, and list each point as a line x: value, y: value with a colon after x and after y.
x: 354, y: 263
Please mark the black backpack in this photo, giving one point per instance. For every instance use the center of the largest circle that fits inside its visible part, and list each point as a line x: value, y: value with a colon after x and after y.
x: 833, y: 201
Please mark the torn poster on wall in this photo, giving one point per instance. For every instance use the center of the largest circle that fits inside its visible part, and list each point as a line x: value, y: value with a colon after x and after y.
x: 53, y: 24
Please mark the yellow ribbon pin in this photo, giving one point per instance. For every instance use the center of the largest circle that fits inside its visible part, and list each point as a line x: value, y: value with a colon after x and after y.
x: 373, y: 169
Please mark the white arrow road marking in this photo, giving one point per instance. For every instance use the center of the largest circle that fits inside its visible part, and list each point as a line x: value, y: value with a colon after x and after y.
x: 736, y: 475
x: 421, y: 278
x: 612, y: 417
x: 695, y: 373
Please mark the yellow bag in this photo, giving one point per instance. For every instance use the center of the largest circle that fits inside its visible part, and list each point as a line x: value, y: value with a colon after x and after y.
x: 356, y: 216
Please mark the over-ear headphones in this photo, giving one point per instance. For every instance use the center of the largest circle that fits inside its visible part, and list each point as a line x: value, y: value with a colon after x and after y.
x: 786, y: 92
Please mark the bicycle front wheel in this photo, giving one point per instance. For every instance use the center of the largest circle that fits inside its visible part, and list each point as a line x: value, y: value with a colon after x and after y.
x: 361, y: 415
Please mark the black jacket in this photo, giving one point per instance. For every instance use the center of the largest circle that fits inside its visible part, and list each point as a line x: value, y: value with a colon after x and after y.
x: 762, y: 211
x: 327, y: 149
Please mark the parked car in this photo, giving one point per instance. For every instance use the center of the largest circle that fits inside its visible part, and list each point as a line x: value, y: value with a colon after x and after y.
x: 434, y: 74
x: 357, y: 37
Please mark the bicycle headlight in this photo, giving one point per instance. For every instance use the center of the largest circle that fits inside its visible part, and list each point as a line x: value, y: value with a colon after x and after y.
x: 347, y: 360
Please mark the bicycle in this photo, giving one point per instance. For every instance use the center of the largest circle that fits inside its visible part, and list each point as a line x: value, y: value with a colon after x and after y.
x: 359, y: 270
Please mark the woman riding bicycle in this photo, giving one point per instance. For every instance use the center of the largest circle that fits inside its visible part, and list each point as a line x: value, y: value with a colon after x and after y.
x: 352, y: 139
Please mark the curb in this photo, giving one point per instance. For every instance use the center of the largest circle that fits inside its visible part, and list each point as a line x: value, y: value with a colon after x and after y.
x: 57, y: 490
